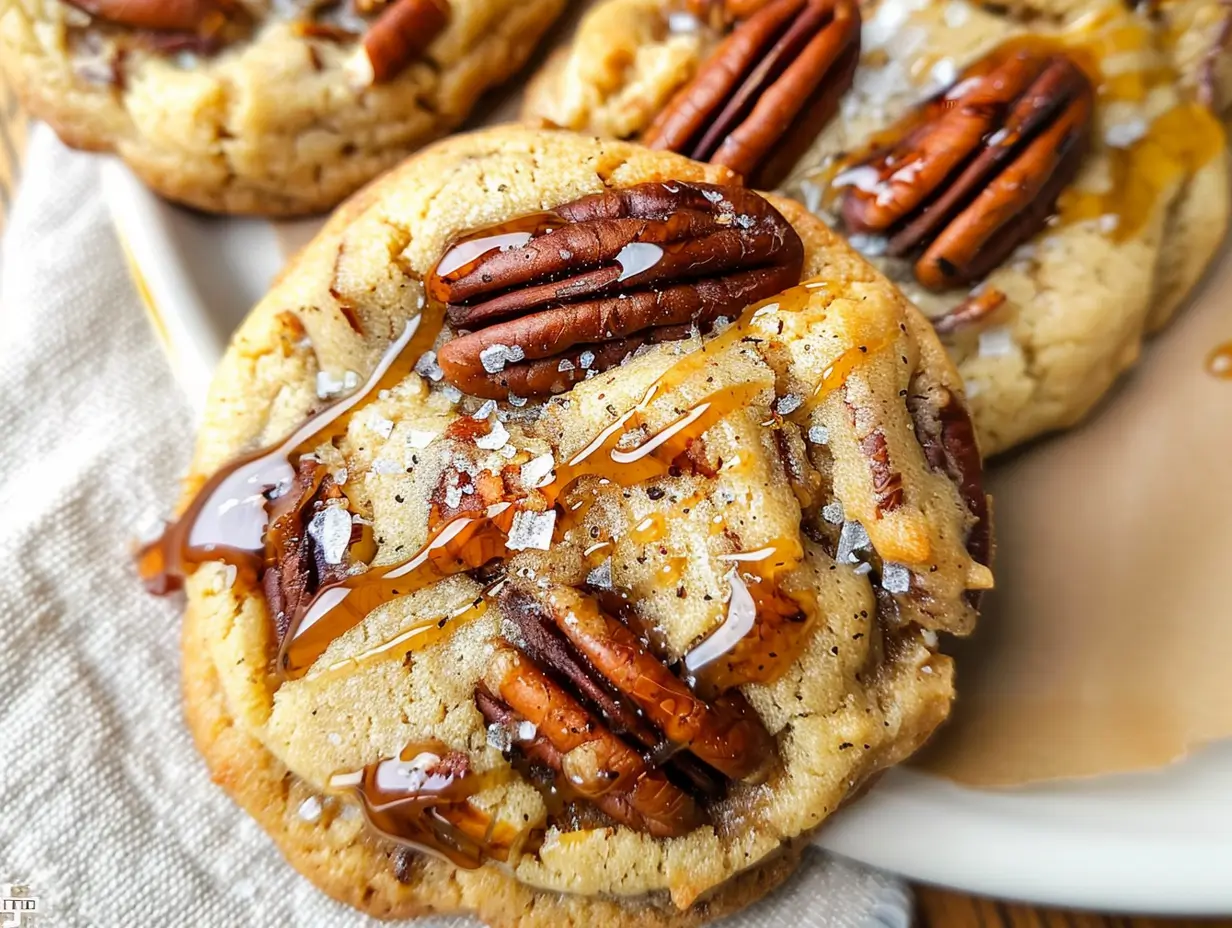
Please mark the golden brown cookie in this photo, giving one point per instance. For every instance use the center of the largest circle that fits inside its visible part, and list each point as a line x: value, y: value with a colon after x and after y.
x: 622, y: 570
x: 1064, y: 274
x: 261, y: 106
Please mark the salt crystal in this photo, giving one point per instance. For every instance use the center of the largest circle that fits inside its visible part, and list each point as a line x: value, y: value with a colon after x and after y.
x: 453, y: 496
x: 944, y: 72
x: 871, y: 246
x: 851, y: 539
x: 497, y: 437
x: 564, y: 365
x: 527, y: 730
x: 500, y: 737
x: 586, y: 359
x: 863, y: 568
x: 310, y: 809
x: 329, y: 386
x: 1124, y: 134
x: 495, y: 357
x: 833, y: 513
x: 819, y: 435
x: 382, y: 426
x: 785, y: 405
x: 537, y: 471
x: 426, y: 366
x: 532, y: 530
x: 956, y: 14
x: 515, y: 400
x: 601, y: 577
x: 419, y: 438
x: 895, y: 578
x: 929, y: 637
x: 451, y: 393
x: 682, y: 22
x: 996, y: 342
x: 508, y: 450
x: 331, y: 530
x: 385, y: 466
x: 488, y: 407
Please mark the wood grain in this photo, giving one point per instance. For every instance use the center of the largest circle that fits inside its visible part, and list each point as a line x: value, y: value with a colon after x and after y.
x: 935, y: 908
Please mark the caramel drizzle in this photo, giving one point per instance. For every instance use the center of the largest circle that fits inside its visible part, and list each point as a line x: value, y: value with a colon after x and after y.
x: 467, y: 542
x: 760, y: 637
x: 422, y: 798
x: 228, y: 518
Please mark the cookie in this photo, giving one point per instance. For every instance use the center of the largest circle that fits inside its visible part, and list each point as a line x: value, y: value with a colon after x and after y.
x: 1062, y: 284
x: 621, y: 513
x: 255, y: 106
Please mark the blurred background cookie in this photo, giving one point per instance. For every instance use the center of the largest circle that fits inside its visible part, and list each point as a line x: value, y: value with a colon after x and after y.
x: 276, y: 107
x: 1048, y: 185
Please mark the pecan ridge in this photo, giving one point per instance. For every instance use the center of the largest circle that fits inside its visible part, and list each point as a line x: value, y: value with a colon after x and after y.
x: 980, y: 171
x: 542, y: 302
x: 767, y: 90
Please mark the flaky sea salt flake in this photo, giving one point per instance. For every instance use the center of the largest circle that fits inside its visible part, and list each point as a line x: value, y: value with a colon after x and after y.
x: 532, y: 530
x: 895, y: 578
x: 426, y: 366
x: 497, y: 437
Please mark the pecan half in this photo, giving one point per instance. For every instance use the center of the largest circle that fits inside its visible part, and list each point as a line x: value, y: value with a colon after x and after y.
x: 648, y: 742
x: 159, y: 15
x: 978, y: 170
x: 542, y: 302
x: 767, y: 90
x: 398, y: 36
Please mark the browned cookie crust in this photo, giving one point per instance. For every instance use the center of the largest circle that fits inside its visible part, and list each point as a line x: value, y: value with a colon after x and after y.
x: 817, y: 472
x: 261, y: 106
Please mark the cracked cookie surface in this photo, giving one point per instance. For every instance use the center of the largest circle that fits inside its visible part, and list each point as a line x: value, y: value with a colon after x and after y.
x: 1045, y: 334
x: 272, y: 119
x: 806, y: 466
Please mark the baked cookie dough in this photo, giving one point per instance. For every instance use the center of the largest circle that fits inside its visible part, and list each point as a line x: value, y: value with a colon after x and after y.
x: 612, y: 645
x: 1065, y: 313
x: 273, y: 107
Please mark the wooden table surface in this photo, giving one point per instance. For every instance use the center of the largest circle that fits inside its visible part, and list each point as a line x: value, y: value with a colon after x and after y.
x: 935, y: 908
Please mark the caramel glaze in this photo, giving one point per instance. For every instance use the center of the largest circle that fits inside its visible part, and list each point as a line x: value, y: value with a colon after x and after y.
x: 422, y: 798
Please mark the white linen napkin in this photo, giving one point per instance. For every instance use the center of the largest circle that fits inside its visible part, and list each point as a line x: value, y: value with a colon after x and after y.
x: 107, y: 814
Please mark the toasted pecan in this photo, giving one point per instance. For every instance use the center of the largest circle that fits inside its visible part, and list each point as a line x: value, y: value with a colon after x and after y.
x: 542, y: 303
x: 591, y: 760
x: 585, y: 680
x: 767, y: 90
x: 981, y: 171
x: 159, y: 15
x: 402, y: 31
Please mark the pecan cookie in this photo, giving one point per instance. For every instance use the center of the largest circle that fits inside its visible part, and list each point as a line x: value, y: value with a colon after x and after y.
x: 1047, y: 183
x: 592, y: 529
x: 275, y: 107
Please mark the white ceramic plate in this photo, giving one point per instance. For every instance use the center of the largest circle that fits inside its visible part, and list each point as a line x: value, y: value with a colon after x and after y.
x: 1158, y: 842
